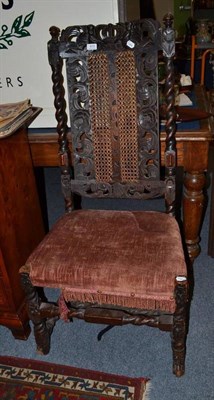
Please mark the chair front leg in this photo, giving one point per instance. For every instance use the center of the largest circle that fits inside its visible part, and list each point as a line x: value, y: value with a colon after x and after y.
x: 179, y: 330
x: 42, y: 325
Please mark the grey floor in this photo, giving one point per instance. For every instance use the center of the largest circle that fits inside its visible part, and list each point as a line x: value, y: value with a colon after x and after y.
x: 136, y: 351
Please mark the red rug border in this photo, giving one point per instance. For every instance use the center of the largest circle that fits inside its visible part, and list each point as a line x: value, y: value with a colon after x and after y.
x: 139, y: 382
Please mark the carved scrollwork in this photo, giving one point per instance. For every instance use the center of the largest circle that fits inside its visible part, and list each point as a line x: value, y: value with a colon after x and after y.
x: 108, y: 37
x: 141, y: 190
x: 72, y: 38
x: 76, y: 38
x: 180, y: 325
x: 100, y: 128
x: 85, y: 170
x: 148, y: 120
x: 109, y: 34
x: 79, y: 97
x: 80, y: 123
x: 147, y: 101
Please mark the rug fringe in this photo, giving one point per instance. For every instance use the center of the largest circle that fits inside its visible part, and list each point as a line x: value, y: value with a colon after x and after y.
x: 147, y: 390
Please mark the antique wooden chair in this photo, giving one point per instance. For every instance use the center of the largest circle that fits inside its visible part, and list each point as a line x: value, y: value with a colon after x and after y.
x: 113, y: 267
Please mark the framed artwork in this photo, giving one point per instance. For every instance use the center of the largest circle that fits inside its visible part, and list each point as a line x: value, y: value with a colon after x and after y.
x: 24, y: 33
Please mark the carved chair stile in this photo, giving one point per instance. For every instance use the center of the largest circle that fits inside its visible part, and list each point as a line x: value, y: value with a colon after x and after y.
x: 113, y: 267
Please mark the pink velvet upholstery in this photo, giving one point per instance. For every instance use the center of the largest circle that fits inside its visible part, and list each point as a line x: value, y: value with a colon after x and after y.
x: 112, y: 257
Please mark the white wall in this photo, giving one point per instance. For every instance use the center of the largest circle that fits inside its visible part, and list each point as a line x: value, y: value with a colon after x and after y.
x: 25, y: 72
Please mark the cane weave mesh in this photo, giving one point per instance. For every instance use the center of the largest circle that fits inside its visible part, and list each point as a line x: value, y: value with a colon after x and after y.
x: 127, y: 115
x: 100, y: 115
x: 104, y: 112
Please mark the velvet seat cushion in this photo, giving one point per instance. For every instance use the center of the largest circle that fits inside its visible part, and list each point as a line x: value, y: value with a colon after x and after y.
x: 123, y: 258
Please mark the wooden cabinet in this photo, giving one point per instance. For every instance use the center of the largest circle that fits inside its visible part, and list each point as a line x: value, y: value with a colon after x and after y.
x: 21, y: 225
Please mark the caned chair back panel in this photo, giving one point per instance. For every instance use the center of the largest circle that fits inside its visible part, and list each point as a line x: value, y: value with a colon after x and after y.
x: 114, y: 109
x: 113, y: 95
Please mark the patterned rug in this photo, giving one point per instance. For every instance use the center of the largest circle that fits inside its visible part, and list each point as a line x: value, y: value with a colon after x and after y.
x: 23, y: 379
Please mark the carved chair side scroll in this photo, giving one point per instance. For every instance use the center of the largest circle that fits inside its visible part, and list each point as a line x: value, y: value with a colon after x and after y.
x: 115, y: 154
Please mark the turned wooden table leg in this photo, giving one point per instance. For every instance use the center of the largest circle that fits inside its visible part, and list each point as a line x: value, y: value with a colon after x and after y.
x: 193, y: 204
x: 196, y: 161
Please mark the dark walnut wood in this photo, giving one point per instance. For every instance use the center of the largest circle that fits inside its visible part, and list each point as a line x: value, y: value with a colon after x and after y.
x: 83, y: 76
x: 114, y: 113
x: 21, y: 227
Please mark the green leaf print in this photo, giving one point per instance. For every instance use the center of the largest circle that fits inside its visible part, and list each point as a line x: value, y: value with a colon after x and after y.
x: 28, y: 19
x: 16, y: 24
x: 18, y: 30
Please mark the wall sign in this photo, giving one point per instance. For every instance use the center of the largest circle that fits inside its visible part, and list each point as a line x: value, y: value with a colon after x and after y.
x: 24, y: 33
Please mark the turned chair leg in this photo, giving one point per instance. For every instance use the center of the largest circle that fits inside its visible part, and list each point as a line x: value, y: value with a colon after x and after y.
x: 42, y: 315
x: 178, y: 348
x: 179, y: 330
x: 42, y: 337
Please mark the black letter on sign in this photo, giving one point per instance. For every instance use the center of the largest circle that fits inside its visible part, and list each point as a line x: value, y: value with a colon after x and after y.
x: 9, y: 83
x: 7, y: 6
x: 19, y: 79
